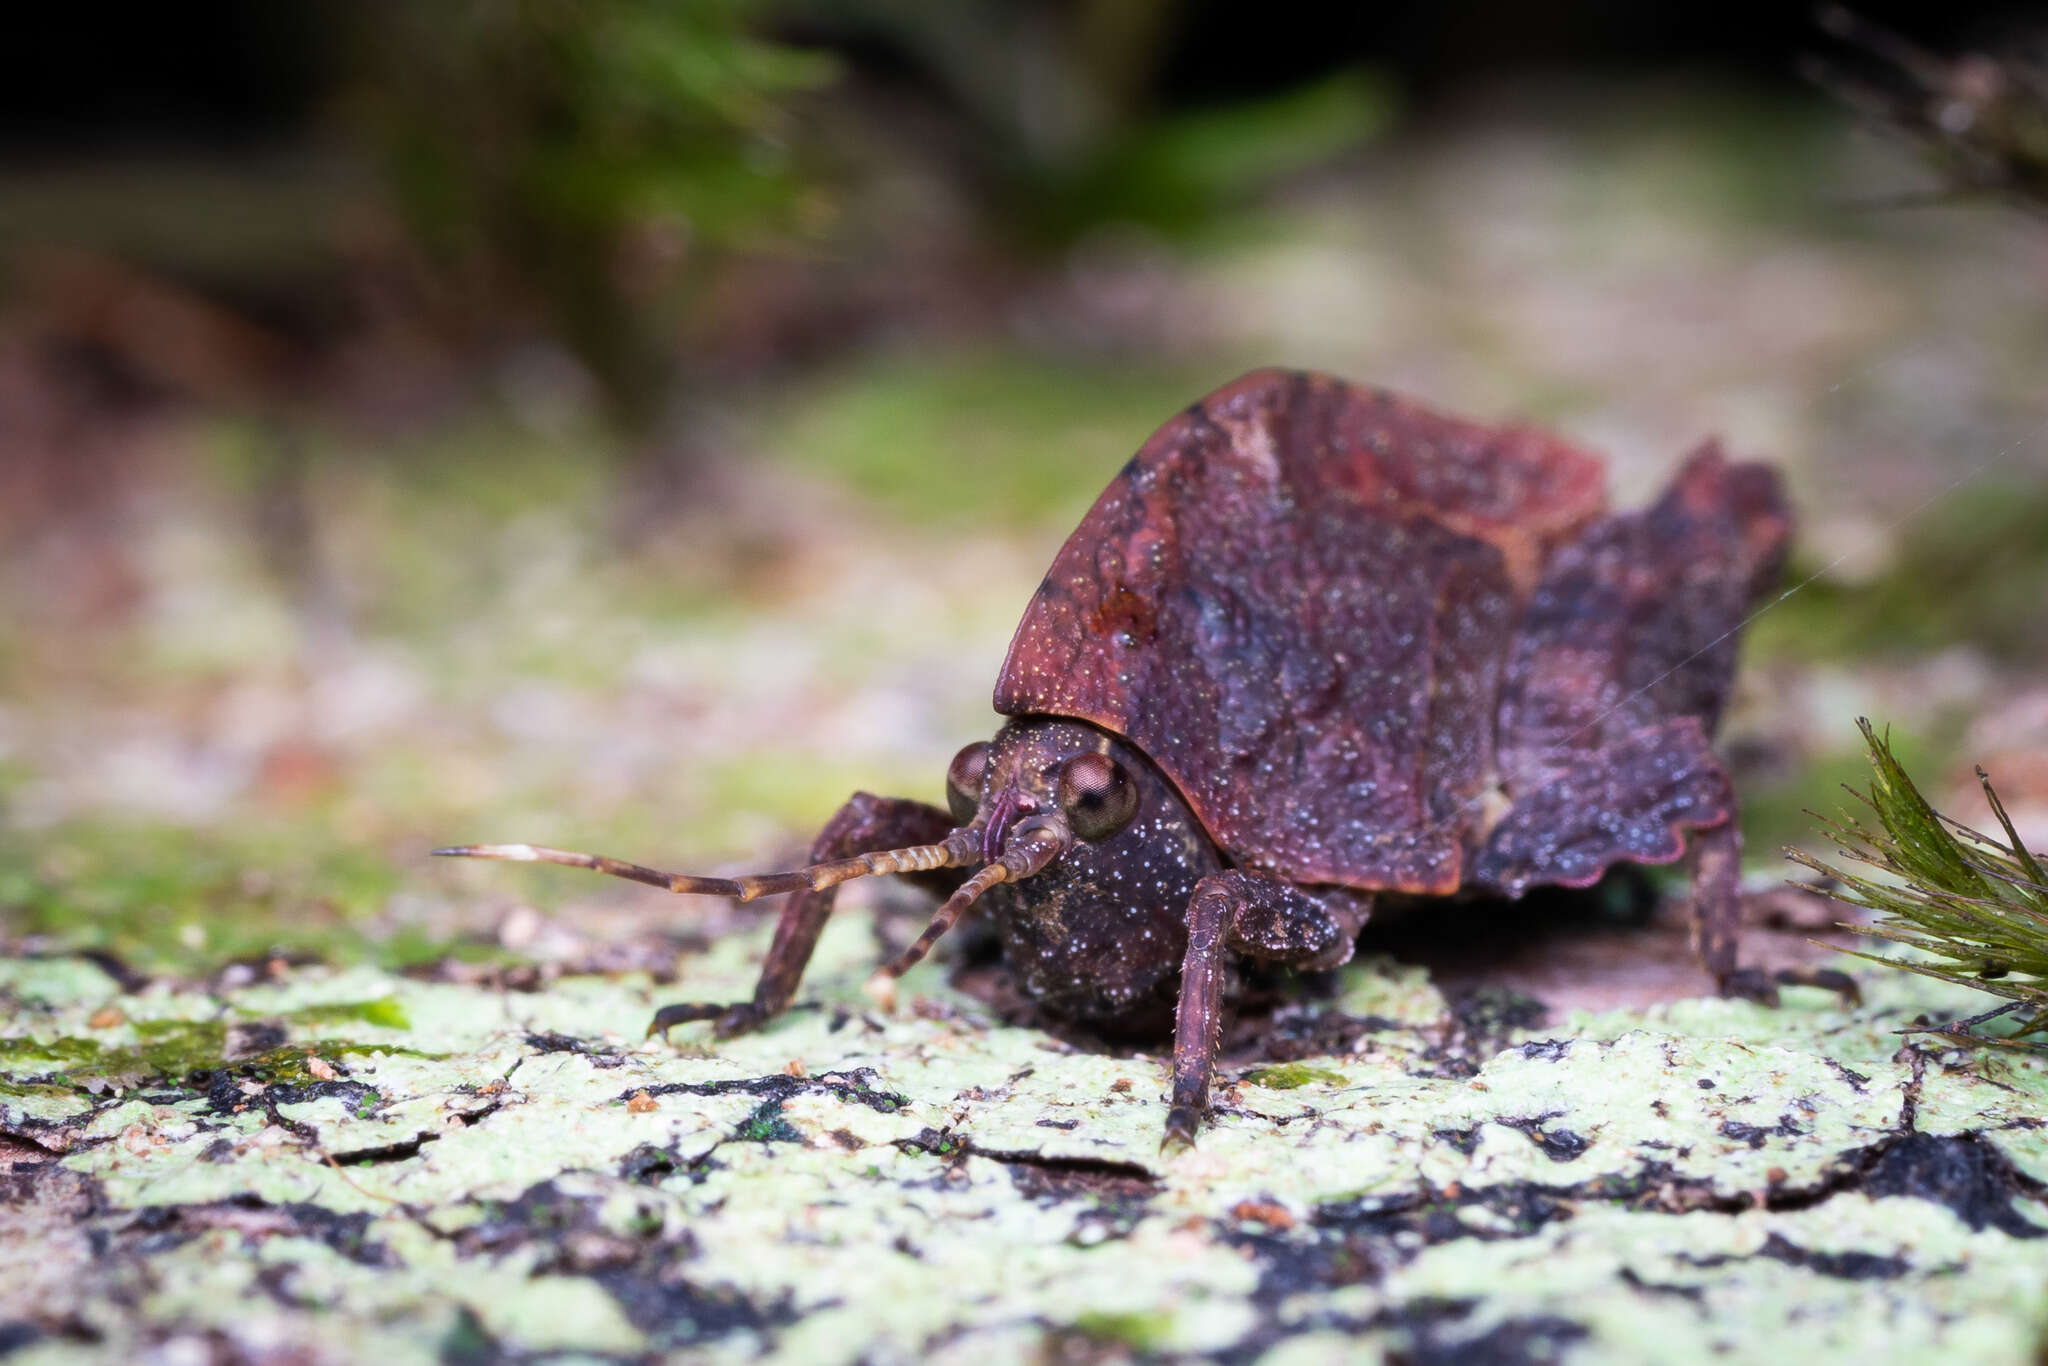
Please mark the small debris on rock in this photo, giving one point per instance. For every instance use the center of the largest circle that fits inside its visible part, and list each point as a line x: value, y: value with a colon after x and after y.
x: 881, y: 989
x: 320, y: 1067
x: 1270, y: 1213
x: 106, y: 1017
x: 520, y: 927
x: 641, y: 1103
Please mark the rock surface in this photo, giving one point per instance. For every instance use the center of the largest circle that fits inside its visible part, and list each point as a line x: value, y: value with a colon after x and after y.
x: 327, y: 1165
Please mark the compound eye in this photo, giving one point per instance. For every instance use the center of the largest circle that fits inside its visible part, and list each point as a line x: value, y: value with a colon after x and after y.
x: 1097, y: 797
x: 963, y: 780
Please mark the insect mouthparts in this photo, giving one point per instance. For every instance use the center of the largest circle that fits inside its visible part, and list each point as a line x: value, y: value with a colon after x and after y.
x: 998, y: 828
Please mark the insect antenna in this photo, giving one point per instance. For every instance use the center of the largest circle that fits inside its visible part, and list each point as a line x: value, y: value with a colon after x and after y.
x: 959, y: 847
x: 1026, y: 855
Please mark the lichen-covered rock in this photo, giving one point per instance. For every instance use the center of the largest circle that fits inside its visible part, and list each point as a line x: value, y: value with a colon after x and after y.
x: 351, y: 1166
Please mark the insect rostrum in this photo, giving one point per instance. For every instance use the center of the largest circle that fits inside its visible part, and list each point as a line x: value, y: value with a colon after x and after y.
x: 1315, y: 643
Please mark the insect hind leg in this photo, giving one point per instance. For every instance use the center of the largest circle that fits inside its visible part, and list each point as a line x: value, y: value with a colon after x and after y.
x: 1717, y: 923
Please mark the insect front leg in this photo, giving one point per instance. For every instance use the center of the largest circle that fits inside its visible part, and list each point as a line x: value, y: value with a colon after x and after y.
x: 1260, y: 917
x: 866, y: 824
x: 1717, y: 923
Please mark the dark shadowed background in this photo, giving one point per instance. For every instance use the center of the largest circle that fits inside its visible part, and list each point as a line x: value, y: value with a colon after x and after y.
x: 635, y: 426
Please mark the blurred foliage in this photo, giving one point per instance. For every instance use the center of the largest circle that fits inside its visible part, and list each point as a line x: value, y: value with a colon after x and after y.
x: 1979, y: 118
x: 166, y: 898
x: 998, y: 438
x: 1175, y: 173
x: 1977, y: 907
x: 1740, y: 160
x: 1066, y: 129
x: 596, y: 157
x: 1968, y: 571
x: 673, y: 193
x: 1777, y: 812
x: 602, y: 163
x: 202, y: 222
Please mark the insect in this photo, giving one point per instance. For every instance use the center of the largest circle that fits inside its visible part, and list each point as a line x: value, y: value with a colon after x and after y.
x: 1315, y: 646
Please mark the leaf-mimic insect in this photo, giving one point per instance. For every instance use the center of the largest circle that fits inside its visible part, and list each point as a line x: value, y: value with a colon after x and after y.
x: 1312, y: 646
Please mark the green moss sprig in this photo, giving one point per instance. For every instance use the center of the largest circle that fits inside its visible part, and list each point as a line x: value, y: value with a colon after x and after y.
x: 1977, y: 908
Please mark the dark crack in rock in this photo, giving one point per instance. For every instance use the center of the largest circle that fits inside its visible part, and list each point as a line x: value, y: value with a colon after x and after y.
x: 247, y: 1039
x: 766, y: 1124
x: 1536, y: 1340
x: 157, y: 1228
x: 1349, y: 1242
x: 1557, y: 1144
x: 677, y: 1312
x: 649, y: 1165
x: 1962, y: 1173
x: 639, y: 1263
x: 1465, y: 1141
x: 1482, y: 1024
x: 1756, y: 1135
x: 1847, y: 1266
x: 598, y: 1055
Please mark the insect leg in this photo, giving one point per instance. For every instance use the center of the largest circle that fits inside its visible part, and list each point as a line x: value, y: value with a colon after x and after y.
x: 866, y: 824
x: 1717, y: 909
x: 1717, y: 923
x: 1259, y: 917
x: 1199, y: 1019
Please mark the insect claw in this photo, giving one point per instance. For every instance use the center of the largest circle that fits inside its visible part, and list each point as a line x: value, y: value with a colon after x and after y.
x: 1180, y: 1133
x: 1749, y: 984
x: 1847, y: 992
x: 738, y: 1019
x: 668, y: 1017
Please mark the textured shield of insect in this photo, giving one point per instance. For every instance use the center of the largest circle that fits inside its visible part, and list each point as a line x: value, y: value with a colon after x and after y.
x: 1353, y: 632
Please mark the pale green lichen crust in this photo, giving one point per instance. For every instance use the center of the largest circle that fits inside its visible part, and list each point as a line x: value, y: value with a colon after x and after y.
x: 351, y: 1166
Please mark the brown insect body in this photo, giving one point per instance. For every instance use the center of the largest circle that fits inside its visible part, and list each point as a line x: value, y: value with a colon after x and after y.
x: 1370, y: 626
x: 1315, y: 643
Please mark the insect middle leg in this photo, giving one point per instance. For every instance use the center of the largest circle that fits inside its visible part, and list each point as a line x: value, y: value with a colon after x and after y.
x: 1240, y: 912
x: 866, y: 824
